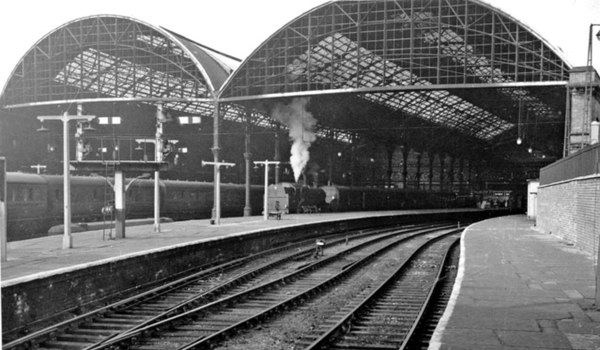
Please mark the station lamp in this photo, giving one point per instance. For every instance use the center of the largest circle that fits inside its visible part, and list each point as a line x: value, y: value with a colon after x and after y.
x: 42, y: 128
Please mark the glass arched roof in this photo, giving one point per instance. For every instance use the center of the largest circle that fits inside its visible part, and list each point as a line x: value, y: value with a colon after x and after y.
x: 409, y: 56
x: 116, y: 58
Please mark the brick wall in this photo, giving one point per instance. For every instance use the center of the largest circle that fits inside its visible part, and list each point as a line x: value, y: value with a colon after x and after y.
x: 571, y: 210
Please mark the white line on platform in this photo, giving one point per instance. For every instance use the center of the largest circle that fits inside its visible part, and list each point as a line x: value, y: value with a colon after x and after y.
x: 435, y: 343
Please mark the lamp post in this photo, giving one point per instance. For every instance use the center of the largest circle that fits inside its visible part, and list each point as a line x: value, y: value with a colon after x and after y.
x: 3, y: 211
x: 216, y: 212
x: 588, y: 109
x: 65, y: 118
x: 589, y: 55
x: 158, y: 157
x: 38, y: 167
x: 266, y: 163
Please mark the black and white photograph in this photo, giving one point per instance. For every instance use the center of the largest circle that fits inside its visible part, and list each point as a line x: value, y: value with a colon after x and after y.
x: 343, y: 174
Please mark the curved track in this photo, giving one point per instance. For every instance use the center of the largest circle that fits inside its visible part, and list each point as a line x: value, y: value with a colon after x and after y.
x: 126, y: 316
x: 208, y: 325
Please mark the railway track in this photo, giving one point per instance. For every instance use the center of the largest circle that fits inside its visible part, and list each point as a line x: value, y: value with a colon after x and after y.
x: 388, y: 317
x: 435, y: 309
x: 208, y: 325
x: 93, y: 328
x: 376, y: 310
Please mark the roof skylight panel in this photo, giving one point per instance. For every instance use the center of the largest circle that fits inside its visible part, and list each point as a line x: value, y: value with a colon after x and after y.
x: 159, y: 42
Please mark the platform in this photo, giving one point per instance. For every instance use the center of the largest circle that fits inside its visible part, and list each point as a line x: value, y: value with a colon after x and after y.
x: 35, y: 258
x: 518, y: 288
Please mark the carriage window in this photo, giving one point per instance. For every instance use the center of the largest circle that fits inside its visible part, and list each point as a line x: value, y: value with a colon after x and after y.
x: 37, y: 194
x: 28, y: 194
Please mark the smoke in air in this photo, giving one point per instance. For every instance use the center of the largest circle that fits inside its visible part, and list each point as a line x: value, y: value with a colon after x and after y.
x: 300, y: 123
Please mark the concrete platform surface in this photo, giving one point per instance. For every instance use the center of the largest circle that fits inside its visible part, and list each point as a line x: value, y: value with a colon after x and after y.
x: 518, y: 288
x: 34, y: 258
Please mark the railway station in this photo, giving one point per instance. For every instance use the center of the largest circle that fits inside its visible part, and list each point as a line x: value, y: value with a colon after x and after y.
x: 448, y: 129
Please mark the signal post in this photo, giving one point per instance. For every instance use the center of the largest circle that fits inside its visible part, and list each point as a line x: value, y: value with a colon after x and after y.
x: 266, y: 163
x: 119, y: 187
x: 66, y: 118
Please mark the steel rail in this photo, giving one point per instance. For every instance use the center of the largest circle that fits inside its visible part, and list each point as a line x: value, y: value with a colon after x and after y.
x: 162, y: 290
x: 346, y: 322
x: 413, y: 337
x: 204, y: 297
x: 129, y: 337
x: 210, y: 341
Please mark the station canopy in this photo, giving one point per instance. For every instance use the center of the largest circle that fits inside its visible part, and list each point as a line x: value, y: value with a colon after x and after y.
x: 436, y: 70
x: 456, y: 65
x: 117, y: 59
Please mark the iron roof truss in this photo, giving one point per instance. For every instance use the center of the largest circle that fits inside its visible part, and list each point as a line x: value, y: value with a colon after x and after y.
x: 109, y: 58
x: 368, y: 46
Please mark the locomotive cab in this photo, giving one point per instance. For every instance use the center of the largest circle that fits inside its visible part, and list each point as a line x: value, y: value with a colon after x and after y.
x: 280, y: 196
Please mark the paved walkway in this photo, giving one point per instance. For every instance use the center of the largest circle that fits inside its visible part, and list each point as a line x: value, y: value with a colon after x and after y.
x: 33, y: 258
x: 518, y: 288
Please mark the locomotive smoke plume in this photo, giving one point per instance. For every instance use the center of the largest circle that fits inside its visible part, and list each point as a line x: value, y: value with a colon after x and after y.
x: 300, y: 123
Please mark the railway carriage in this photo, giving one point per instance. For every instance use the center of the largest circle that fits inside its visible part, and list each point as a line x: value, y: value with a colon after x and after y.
x: 27, y: 205
x: 35, y: 202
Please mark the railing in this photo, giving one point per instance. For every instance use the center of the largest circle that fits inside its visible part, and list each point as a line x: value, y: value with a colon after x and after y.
x: 583, y: 163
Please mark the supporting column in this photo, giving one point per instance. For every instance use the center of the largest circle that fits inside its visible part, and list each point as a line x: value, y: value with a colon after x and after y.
x: 157, y: 201
x: 461, y: 175
x: 431, y: 160
x: 216, y: 210
x: 405, y: 151
x: 390, y: 148
x: 3, y: 209
x: 352, y: 162
x: 469, y: 175
x: 119, y: 188
x: 277, y: 156
x: 418, y: 174
x: 330, y: 160
x: 157, y: 158
x: 248, y: 159
x: 442, y: 162
x: 451, y: 173
x: 67, y: 238
x: 266, y: 193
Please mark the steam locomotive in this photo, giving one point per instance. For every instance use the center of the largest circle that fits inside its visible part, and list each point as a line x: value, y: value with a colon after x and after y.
x: 290, y: 198
x: 35, y: 202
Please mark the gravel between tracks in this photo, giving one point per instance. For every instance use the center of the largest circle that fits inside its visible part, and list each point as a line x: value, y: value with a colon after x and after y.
x: 284, y: 332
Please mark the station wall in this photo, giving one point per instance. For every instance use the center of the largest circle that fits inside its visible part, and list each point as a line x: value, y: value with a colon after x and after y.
x: 571, y: 210
x: 569, y: 199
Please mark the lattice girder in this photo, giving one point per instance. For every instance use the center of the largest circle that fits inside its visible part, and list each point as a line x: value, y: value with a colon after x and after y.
x: 111, y: 58
x: 380, y: 48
